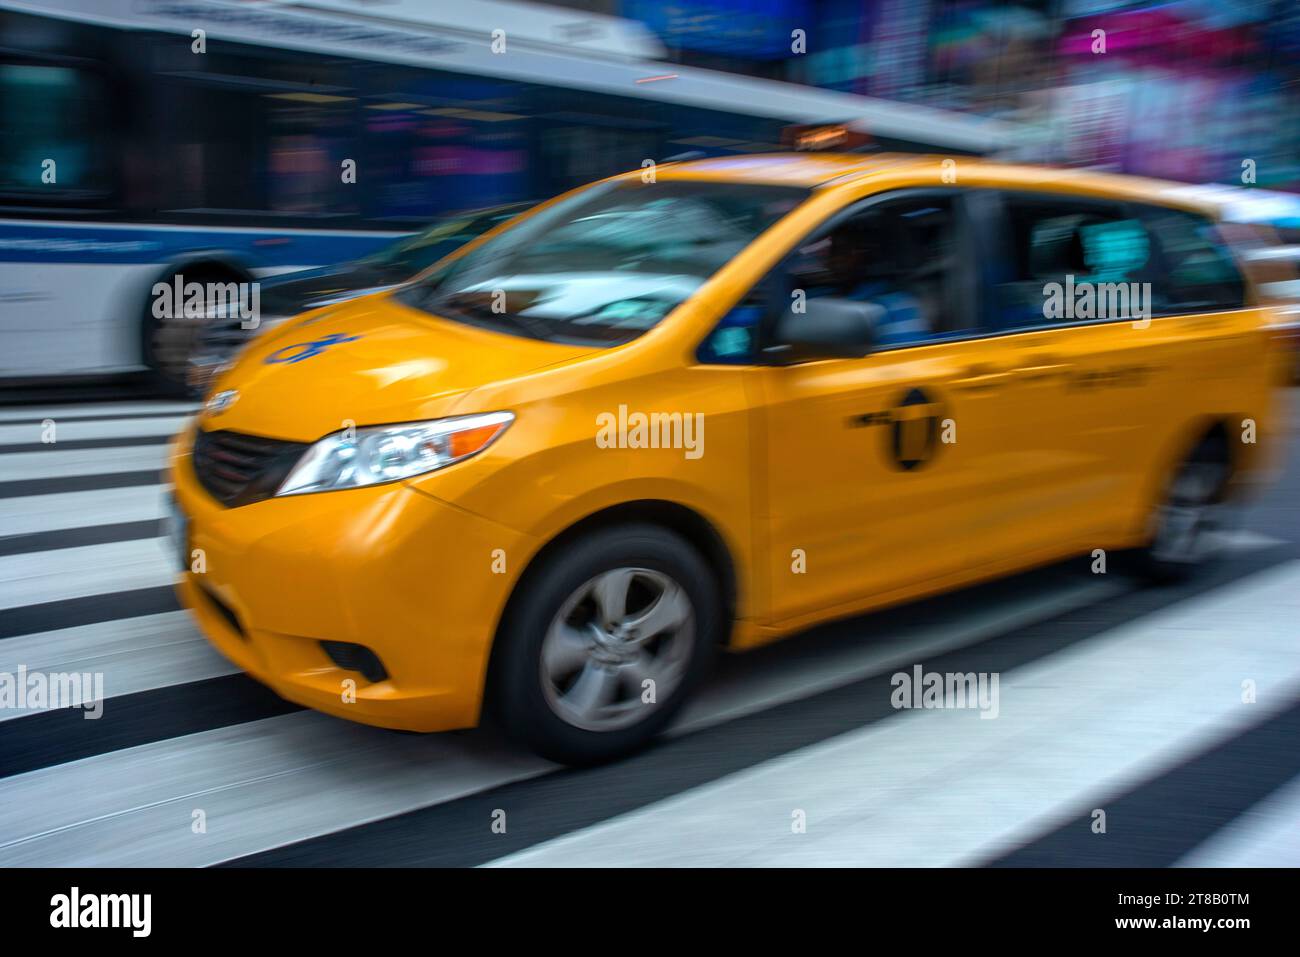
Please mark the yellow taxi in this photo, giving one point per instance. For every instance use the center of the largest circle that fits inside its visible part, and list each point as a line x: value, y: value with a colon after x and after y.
x: 707, y: 405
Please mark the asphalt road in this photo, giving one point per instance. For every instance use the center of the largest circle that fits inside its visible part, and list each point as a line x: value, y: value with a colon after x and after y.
x: 1116, y: 702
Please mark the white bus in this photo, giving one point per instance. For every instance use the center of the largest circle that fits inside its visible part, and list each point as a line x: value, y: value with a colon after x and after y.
x: 141, y: 139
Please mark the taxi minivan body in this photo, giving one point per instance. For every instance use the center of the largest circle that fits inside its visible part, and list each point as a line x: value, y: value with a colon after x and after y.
x: 710, y: 406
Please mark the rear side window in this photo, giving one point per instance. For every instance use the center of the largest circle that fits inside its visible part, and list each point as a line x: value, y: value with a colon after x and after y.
x: 1060, y: 252
x: 1071, y: 261
x: 1197, y: 272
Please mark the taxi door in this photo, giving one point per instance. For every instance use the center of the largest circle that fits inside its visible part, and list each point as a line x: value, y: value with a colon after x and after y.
x: 874, y: 465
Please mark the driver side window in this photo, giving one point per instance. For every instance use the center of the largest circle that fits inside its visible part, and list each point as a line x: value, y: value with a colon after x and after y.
x: 904, y: 255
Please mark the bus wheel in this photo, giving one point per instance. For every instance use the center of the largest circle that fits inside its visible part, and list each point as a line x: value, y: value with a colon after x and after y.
x: 169, y: 344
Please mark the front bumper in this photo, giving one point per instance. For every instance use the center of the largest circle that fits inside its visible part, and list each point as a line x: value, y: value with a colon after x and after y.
x: 412, y: 578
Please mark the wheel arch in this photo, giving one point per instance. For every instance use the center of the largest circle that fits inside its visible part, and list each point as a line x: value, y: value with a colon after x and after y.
x: 1217, y: 427
x: 690, y: 524
x: 1215, y: 430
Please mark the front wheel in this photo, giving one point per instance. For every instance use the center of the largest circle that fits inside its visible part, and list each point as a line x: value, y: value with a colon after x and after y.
x: 605, y: 643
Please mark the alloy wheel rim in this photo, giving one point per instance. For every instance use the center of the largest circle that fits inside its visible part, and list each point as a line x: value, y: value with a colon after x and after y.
x: 619, y: 629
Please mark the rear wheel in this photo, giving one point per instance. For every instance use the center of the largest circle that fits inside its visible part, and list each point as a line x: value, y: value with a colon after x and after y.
x: 1191, y: 515
x: 605, y: 643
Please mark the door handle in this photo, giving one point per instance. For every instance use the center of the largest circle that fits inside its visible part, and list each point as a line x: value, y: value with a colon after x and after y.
x: 983, y: 377
x: 1040, y: 367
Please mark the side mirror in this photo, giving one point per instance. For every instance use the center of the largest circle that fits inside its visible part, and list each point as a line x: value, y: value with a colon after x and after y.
x: 828, y: 329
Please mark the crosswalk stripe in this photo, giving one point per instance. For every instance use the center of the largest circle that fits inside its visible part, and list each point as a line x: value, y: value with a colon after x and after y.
x: 100, y: 445
x: 884, y: 796
x: 29, y: 514
x: 99, y: 410
x: 88, y: 610
x: 847, y: 663
x: 260, y: 784
x: 94, y: 429
x: 76, y: 537
x: 65, y: 573
x: 1265, y: 836
x: 1174, y: 810
x: 19, y: 466
x: 136, y: 825
x: 77, y: 732
x: 80, y: 483
x: 132, y: 654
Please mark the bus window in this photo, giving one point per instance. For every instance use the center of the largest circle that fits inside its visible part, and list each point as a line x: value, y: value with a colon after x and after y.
x: 436, y: 143
x: 242, y: 138
x: 51, y: 113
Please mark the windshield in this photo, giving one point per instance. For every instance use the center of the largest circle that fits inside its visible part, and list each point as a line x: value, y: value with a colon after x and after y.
x: 606, y: 264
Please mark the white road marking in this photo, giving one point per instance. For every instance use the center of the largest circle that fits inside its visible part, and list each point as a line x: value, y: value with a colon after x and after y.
x: 17, y: 466
x: 132, y: 654
x: 1265, y: 835
x: 848, y: 662
x: 63, y: 573
x: 98, y: 429
x: 260, y: 784
x: 99, y: 410
x: 27, y: 514
x: 945, y: 787
x: 332, y: 773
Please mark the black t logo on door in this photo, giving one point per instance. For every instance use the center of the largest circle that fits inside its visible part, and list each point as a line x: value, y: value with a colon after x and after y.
x: 914, y: 430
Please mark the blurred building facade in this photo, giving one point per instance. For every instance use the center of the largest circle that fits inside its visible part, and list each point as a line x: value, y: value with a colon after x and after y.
x: 1188, y: 90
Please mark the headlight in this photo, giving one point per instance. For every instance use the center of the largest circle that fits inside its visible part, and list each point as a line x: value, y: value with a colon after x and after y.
x: 387, y: 453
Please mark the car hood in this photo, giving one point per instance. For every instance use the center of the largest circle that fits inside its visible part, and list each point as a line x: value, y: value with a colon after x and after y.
x: 369, y: 361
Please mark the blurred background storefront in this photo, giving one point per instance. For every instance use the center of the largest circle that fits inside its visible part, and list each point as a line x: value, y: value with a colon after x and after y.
x: 1185, y: 89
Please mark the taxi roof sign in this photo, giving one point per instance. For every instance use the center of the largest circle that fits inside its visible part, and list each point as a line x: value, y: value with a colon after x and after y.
x: 826, y: 136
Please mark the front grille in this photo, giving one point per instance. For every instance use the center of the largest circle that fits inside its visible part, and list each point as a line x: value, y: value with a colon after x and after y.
x: 238, y: 469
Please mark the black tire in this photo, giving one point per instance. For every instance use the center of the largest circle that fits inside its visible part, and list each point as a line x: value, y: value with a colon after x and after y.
x: 167, y: 349
x: 528, y: 704
x: 1192, y: 509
